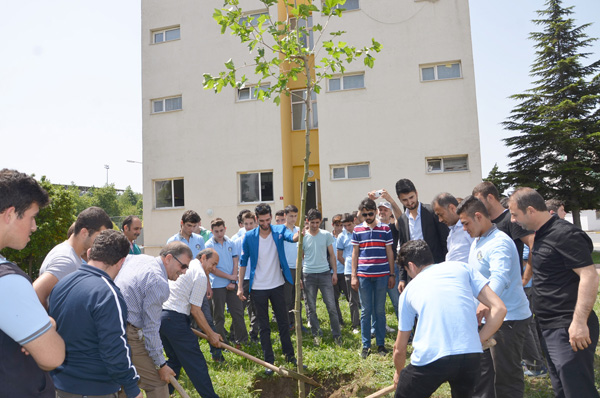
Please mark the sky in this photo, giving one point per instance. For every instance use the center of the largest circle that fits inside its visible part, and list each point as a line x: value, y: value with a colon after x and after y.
x: 70, y: 79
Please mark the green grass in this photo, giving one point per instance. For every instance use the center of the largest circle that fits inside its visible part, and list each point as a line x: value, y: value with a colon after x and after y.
x: 339, y: 369
x: 596, y: 257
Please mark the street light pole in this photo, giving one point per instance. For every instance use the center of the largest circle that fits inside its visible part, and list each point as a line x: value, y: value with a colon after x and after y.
x: 106, y: 167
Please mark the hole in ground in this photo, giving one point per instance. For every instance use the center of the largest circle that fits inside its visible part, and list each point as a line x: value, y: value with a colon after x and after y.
x: 334, y: 386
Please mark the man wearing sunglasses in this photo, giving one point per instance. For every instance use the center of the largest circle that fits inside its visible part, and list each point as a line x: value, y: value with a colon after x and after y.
x: 143, y: 280
x: 372, y: 273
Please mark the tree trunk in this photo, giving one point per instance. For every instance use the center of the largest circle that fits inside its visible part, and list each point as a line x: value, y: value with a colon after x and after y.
x: 576, y: 213
x: 298, y: 308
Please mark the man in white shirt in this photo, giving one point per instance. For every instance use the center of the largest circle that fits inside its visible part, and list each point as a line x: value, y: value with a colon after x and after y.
x: 459, y: 241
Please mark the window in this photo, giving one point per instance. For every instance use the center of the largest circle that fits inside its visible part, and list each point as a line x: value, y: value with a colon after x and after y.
x: 441, y: 71
x: 350, y: 171
x: 166, y: 104
x: 251, y: 93
x: 256, y: 187
x: 299, y: 108
x: 160, y: 36
x: 347, y: 82
x: 252, y: 19
x: 348, y: 5
x: 168, y: 193
x: 308, y: 25
x: 447, y: 164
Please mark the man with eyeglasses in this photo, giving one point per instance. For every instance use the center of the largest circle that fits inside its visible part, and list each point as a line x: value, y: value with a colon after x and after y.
x: 143, y: 281
x: 372, y: 273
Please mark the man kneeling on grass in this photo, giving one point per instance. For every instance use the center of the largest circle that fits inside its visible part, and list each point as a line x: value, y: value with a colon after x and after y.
x: 446, y: 346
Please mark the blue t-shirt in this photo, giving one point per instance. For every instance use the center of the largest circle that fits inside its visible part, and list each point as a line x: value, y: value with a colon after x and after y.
x: 495, y: 256
x: 226, y: 251
x: 291, y: 250
x: 196, y: 242
x: 315, y: 252
x: 447, y: 321
x: 344, y: 243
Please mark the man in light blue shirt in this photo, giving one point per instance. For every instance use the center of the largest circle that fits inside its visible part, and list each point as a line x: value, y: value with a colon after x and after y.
x: 224, y: 284
x: 459, y: 241
x: 344, y: 254
x: 495, y: 256
x: 189, y: 221
x: 446, y: 345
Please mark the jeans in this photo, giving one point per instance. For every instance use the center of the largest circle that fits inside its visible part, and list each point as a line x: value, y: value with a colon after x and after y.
x: 207, y: 311
x: 181, y: 347
x: 249, y: 304
x: 339, y: 288
x: 394, y: 294
x: 372, y: 291
x: 312, y: 283
x: 353, y: 303
x: 460, y: 371
x: 261, y: 300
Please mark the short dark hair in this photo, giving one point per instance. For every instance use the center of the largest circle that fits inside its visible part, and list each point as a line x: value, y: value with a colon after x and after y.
x: 486, y: 188
x: 109, y: 247
x: 176, y: 248
x: 290, y: 209
x: 336, y: 218
x: 217, y: 222
x: 368, y: 204
x: 93, y: 219
x: 20, y: 191
x: 554, y: 204
x: 190, y: 216
x: 208, y: 252
x: 127, y: 221
x: 314, y: 214
x: 444, y: 199
x: 525, y: 197
x: 471, y: 205
x: 347, y: 217
x: 262, y: 209
x: 405, y: 186
x: 280, y: 213
x: 248, y: 214
x: 417, y: 252
x: 240, y: 217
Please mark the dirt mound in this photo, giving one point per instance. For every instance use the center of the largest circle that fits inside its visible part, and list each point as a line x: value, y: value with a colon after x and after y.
x: 334, y: 386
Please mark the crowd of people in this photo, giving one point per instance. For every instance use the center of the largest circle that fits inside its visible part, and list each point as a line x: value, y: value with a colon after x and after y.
x: 486, y: 289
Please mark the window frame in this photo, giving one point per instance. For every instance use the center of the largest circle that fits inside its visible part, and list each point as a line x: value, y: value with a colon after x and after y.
x: 173, y: 198
x: 163, y: 100
x: 341, y: 78
x: 252, y: 92
x: 260, y: 198
x: 255, y: 15
x: 314, y: 122
x: 435, y: 71
x: 309, y: 31
x: 164, y: 31
x: 344, y: 6
x: 345, y: 167
x: 442, y: 169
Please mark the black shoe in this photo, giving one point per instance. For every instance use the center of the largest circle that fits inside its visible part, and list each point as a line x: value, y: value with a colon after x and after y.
x: 294, y: 362
x: 269, y: 372
x: 381, y: 350
x: 220, y: 359
x: 365, y: 353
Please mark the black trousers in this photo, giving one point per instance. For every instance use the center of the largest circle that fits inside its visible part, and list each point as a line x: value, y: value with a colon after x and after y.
x: 261, y: 300
x: 460, y: 371
x: 571, y: 373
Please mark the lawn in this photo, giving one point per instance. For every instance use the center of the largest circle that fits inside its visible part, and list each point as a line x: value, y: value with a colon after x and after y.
x: 339, y: 369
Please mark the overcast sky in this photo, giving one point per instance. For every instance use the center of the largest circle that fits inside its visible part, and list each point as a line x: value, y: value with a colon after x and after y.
x: 70, y: 80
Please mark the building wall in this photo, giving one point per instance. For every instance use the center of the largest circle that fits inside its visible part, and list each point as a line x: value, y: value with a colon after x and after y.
x: 394, y: 123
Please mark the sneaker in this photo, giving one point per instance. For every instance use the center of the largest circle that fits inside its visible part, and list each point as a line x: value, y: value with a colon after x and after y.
x: 294, y: 362
x: 389, y: 329
x: 381, y: 350
x: 269, y: 372
x: 355, y: 331
x: 338, y: 341
x: 317, y: 341
x: 543, y: 372
x: 365, y: 353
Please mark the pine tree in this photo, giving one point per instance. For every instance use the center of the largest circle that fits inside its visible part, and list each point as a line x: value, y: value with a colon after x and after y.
x: 557, y: 148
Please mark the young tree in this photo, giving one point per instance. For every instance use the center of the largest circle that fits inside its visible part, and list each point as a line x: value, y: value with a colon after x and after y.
x: 283, y: 51
x: 557, y: 148
x: 498, y: 178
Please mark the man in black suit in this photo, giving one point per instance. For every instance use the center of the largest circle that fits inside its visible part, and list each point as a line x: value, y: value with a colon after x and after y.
x: 418, y: 222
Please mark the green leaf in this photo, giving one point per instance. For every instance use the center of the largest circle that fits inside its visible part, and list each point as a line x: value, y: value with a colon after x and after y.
x: 229, y: 64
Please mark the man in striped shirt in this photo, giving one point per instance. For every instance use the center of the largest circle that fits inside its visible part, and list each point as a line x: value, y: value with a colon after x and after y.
x: 372, y: 273
x: 143, y: 280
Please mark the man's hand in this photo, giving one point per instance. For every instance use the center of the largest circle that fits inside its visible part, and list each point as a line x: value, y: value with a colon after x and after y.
x: 354, y: 282
x: 396, y: 379
x: 215, y: 339
x: 401, y: 286
x: 240, y: 293
x: 165, y: 372
x: 334, y: 279
x: 579, y: 336
x: 208, y: 292
x: 231, y: 286
x: 391, y: 281
x: 482, y: 312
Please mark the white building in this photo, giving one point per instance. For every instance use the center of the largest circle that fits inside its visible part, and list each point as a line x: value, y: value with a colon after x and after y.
x: 413, y: 115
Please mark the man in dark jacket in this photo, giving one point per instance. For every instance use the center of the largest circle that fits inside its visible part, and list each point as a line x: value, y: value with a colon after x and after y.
x: 92, y: 318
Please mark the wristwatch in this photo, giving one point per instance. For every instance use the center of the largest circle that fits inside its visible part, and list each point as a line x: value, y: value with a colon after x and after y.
x: 158, y: 367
